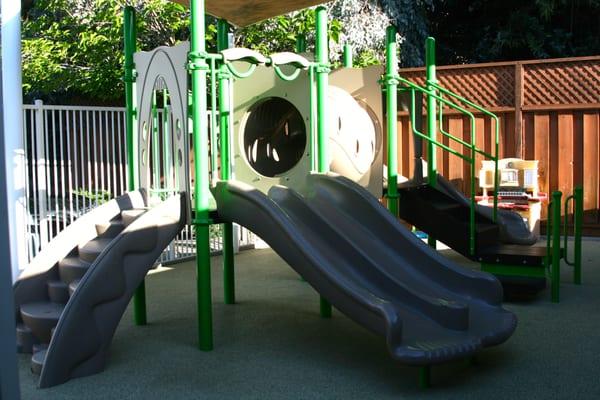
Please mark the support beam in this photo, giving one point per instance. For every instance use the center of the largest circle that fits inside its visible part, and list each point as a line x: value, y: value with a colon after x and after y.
x: 556, y: 252
x: 14, y: 153
x: 578, y: 227
x: 431, y: 119
x: 323, y: 68
x: 424, y: 377
x: 391, y: 96
x: 9, y: 372
x: 129, y: 47
x: 198, y: 68
x: 224, y: 77
x: 300, y: 43
x: 347, y: 56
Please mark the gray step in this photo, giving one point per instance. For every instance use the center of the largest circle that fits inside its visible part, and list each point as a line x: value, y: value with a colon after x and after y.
x: 37, y: 361
x: 92, y: 249
x: 110, y: 228
x: 25, y: 339
x: 58, y: 291
x: 72, y: 268
x: 41, y: 317
x: 128, y: 216
x: 73, y: 285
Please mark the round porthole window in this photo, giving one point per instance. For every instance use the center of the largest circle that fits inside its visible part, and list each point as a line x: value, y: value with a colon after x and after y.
x: 274, y: 136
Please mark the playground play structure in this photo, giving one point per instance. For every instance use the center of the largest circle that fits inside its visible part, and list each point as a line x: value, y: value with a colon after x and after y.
x: 295, y: 153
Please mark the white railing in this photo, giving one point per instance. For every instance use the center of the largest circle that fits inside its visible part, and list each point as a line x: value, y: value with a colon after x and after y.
x: 75, y: 160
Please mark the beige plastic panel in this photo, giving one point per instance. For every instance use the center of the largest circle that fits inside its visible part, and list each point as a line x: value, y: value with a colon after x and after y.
x: 264, y: 84
x: 355, y: 128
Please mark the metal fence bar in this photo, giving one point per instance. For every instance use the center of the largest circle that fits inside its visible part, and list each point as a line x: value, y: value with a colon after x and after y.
x: 74, y: 155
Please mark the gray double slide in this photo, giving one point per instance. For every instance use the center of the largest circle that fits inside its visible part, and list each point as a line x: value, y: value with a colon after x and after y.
x: 74, y: 293
x: 361, y: 259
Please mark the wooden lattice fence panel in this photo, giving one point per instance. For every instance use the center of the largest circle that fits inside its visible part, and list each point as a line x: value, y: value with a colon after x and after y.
x: 561, y: 83
x: 488, y: 86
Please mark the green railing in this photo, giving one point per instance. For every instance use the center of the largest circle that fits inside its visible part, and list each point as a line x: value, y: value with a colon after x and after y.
x: 473, y: 149
x: 435, y: 93
x: 577, y: 198
x: 554, y: 252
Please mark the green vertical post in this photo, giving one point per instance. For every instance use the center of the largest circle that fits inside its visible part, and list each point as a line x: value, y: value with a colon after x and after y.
x: 431, y: 118
x: 347, y: 56
x: 155, y: 144
x: 301, y: 48
x: 322, y: 59
x: 424, y: 376
x: 198, y: 67
x: 301, y: 43
x: 224, y: 114
x: 167, y: 157
x: 391, y: 95
x: 129, y: 36
x: 578, y: 228
x: 555, y: 268
x: 129, y: 46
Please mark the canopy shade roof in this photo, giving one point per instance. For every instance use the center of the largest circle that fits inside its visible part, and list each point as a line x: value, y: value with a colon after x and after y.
x: 247, y: 12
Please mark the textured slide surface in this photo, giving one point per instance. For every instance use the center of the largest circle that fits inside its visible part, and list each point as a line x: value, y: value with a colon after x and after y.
x: 356, y: 255
x: 80, y: 343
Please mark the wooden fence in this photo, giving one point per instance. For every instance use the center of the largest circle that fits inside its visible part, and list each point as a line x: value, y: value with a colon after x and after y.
x: 549, y: 110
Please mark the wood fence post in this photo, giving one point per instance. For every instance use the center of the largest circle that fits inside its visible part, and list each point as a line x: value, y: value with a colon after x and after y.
x: 519, y: 150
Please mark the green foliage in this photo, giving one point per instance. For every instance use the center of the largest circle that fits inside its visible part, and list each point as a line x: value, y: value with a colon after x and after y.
x: 280, y: 33
x: 73, y: 48
x: 487, y: 30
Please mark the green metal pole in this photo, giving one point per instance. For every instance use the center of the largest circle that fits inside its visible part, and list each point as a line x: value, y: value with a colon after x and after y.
x: 168, y: 170
x: 301, y: 43
x: 347, y: 56
x: 578, y: 222
x: 431, y: 118
x: 391, y: 85
x: 424, y: 377
x: 555, y: 271
x: 198, y: 67
x: 322, y: 59
x: 155, y: 144
x: 130, y: 36
x: 224, y: 113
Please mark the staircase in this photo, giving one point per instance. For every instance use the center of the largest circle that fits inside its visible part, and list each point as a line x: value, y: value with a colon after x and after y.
x: 447, y: 219
x: 36, y: 320
x: 444, y: 218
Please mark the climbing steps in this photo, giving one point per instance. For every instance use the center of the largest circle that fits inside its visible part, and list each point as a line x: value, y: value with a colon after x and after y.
x: 39, y: 318
x: 70, y: 298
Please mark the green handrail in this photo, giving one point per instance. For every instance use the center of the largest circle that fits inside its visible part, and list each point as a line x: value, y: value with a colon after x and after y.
x: 577, y: 198
x: 553, y: 244
x: 496, y: 136
x: 471, y: 146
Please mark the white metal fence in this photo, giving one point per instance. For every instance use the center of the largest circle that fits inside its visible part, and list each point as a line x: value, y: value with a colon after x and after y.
x: 75, y: 160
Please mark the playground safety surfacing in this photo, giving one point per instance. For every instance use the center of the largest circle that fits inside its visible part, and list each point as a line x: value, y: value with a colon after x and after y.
x: 274, y: 345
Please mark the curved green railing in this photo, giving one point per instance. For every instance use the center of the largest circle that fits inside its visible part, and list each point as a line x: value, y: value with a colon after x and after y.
x: 473, y: 149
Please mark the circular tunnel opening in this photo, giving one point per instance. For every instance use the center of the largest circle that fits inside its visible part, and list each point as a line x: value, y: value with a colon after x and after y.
x: 274, y: 136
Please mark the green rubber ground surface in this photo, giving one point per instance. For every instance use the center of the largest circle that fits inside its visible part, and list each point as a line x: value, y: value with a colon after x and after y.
x: 274, y: 345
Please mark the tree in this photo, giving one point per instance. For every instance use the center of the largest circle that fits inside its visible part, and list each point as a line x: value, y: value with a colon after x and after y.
x: 411, y: 19
x: 72, y: 49
x: 357, y: 22
x: 487, y: 30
